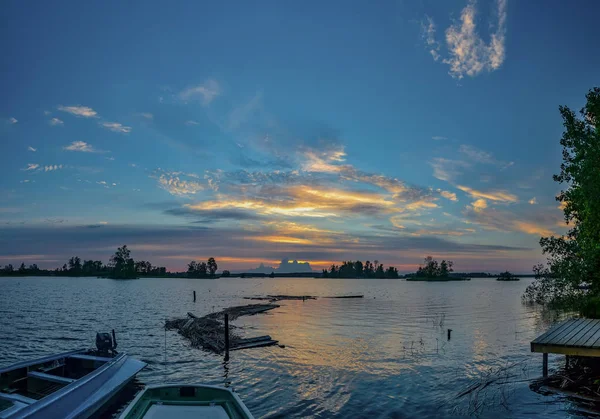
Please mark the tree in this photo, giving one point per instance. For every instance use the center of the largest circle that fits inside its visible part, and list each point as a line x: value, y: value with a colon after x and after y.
x: 573, y: 260
x: 75, y: 265
x: 201, y: 269
x: 192, y: 268
x: 226, y: 273
x: 379, y: 272
x: 358, y: 268
x: 22, y: 268
x: 368, y: 269
x: 212, y: 266
x: 123, y: 266
x: 391, y: 272
x: 8, y: 269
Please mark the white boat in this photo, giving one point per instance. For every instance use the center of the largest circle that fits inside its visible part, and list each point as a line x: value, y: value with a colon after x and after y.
x: 185, y: 401
x: 74, y: 384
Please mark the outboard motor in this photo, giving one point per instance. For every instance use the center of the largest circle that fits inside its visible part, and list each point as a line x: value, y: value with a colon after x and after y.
x: 106, y: 344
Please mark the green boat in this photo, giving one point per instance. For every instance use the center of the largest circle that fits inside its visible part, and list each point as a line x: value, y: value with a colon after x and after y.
x: 186, y: 402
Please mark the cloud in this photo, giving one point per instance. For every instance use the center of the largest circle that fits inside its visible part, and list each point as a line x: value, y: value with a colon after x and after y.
x: 56, y: 122
x: 12, y: 120
x: 477, y: 155
x: 469, y: 54
x: 82, y: 111
x: 190, y: 123
x: 439, y: 137
x: 30, y: 148
x: 532, y: 201
x: 146, y: 115
x: 116, y: 127
x: 449, y: 195
x: 51, y: 167
x: 31, y: 166
x: 176, y: 184
x: 447, y: 169
x: 428, y: 34
x: 479, y: 205
x: 206, y: 92
x: 82, y: 146
x: 500, y: 196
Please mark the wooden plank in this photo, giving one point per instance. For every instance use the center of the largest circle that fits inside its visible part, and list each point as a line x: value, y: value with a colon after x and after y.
x: 565, y: 329
x: 565, y: 337
x: 255, y: 345
x: 552, y: 332
x: 590, y: 325
x: 565, y: 350
x: 591, y: 331
x: 594, y: 341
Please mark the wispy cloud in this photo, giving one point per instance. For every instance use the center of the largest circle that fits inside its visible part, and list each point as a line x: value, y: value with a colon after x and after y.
x: 190, y: 123
x: 439, y: 137
x: 54, y: 167
x: 82, y: 146
x: 448, y: 169
x: 532, y: 201
x: 12, y: 120
x: 176, y: 183
x: 30, y: 148
x: 146, y: 115
x: 56, y: 122
x: 78, y: 110
x: 499, y: 196
x: 477, y: 155
x: 428, y: 33
x: 469, y: 53
x: 31, y: 166
x: 205, y: 92
x: 449, y: 195
x: 116, y: 127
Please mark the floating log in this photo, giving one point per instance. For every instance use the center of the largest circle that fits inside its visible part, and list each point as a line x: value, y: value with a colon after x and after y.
x: 209, y: 332
x: 256, y: 342
x: 283, y: 297
x: 347, y: 296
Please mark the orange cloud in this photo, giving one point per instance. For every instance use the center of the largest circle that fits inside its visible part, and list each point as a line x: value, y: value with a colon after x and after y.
x: 531, y: 228
x: 500, y: 196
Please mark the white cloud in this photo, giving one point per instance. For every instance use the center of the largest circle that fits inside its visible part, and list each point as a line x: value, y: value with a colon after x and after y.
x: 446, y: 169
x: 146, y: 115
x: 499, y: 196
x: 12, y: 120
x: 172, y: 183
x: 532, y: 201
x: 428, y: 33
x: 25, y: 181
x: 81, y: 146
x: 47, y: 113
x: 79, y: 110
x: 469, y: 54
x: 190, y: 122
x: 116, y: 127
x: 31, y: 166
x: 56, y: 122
x: 439, y: 137
x: 477, y: 155
x: 51, y: 168
x: 206, y: 92
x: 30, y: 148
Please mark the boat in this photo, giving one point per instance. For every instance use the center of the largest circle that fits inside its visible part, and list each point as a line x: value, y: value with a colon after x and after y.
x: 186, y: 401
x: 74, y: 384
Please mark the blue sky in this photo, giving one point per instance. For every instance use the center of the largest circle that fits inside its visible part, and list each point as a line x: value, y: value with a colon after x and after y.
x: 309, y: 131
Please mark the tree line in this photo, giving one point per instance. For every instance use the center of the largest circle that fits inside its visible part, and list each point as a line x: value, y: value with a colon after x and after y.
x: 357, y: 269
x: 120, y: 266
x: 203, y: 269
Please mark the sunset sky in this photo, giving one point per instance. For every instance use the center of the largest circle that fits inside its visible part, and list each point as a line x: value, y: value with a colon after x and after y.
x: 316, y: 131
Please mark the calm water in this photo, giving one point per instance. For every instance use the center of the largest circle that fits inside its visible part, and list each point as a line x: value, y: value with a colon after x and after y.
x: 382, y: 356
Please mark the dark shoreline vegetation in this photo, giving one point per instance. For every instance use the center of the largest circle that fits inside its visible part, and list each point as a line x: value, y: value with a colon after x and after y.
x: 507, y: 276
x: 570, y: 279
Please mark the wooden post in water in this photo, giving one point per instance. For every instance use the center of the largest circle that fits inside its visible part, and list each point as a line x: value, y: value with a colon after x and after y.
x: 226, y: 337
x: 194, y: 296
x: 449, y: 333
x: 567, y: 359
x: 545, y: 366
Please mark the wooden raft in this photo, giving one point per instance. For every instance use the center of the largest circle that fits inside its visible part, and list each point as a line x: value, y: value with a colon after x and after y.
x: 578, y: 337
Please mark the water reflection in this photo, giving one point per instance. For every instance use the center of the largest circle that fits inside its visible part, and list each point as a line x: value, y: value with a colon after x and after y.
x: 386, y: 355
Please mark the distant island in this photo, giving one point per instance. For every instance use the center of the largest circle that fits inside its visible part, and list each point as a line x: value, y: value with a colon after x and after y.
x: 285, y: 267
x: 435, y: 272
x: 507, y: 276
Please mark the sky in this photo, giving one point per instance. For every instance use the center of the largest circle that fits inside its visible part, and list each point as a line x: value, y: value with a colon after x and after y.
x: 259, y: 131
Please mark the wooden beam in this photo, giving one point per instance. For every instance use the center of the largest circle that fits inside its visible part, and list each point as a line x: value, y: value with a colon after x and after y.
x: 565, y: 350
x: 545, y: 366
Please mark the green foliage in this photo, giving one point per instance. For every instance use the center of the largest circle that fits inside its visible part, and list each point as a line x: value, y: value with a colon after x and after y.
x: 123, y: 266
x: 571, y: 276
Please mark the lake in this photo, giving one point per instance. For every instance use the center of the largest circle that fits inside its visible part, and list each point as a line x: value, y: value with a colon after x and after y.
x: 386, y: 355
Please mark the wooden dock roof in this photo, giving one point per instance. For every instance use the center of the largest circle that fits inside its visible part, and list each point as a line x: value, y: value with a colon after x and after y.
x: 579, y: 337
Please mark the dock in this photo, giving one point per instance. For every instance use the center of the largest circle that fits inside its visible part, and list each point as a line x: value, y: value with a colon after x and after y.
x: 574, y: 337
